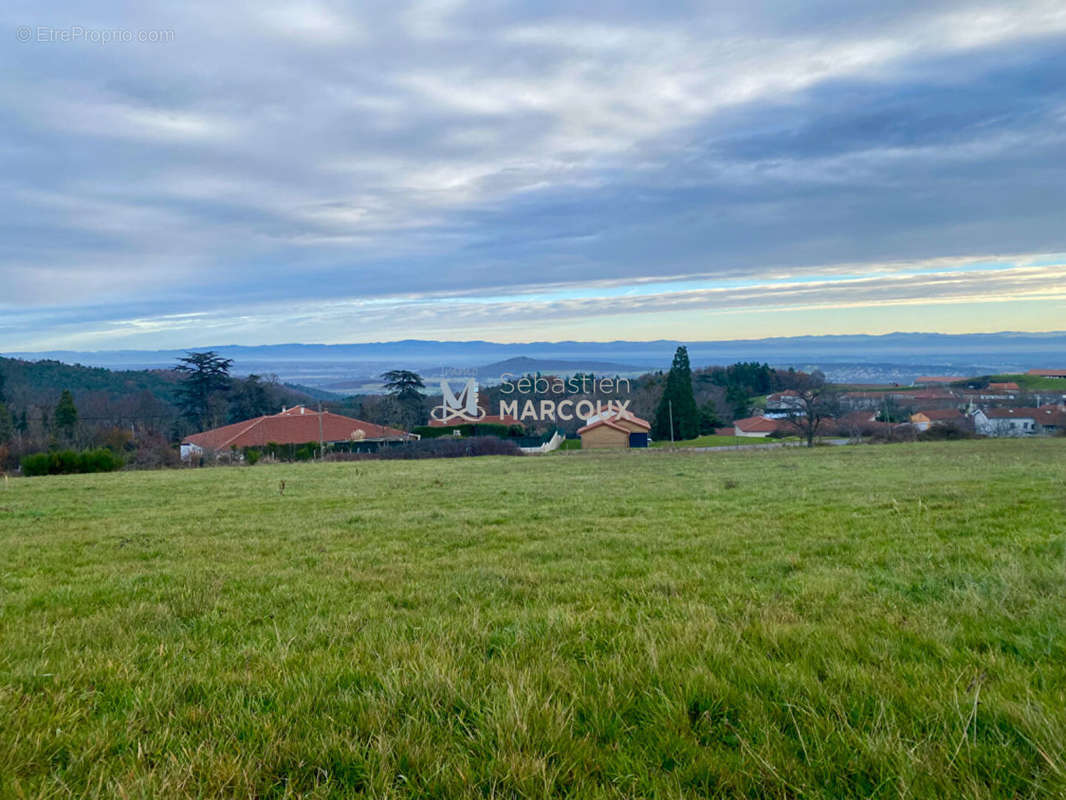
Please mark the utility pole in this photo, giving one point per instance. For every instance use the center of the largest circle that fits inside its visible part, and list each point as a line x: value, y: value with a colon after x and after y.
x: 670, y: 406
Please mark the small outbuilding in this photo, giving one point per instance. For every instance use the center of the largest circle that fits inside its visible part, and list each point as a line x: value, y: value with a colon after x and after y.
x: 614, y: 430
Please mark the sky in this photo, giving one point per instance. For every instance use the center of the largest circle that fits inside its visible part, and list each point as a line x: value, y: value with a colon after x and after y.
x: 199, y: 173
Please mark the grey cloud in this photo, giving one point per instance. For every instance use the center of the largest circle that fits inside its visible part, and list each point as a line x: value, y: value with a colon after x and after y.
x: 364, y: 151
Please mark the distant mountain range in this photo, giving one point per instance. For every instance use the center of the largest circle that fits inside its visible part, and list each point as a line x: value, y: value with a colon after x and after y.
x: 524, y: 365
x: 344, y: 368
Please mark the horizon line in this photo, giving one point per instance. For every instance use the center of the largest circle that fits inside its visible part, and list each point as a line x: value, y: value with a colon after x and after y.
x: 680, y: 342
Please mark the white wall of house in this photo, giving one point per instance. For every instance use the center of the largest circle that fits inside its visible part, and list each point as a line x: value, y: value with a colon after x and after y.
x: 1012, y: 426
x: 190, y: 451
x: 750, y: 434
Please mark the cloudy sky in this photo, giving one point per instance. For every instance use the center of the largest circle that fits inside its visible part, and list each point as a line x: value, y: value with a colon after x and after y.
x: 181, y: 174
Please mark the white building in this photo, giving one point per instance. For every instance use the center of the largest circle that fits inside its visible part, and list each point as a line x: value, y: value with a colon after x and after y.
x: 1006, y: 421
x: 783, y: 405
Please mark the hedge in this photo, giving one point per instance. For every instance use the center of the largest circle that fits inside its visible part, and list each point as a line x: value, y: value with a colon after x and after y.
x: 446, y: 447
x: 70, y: 462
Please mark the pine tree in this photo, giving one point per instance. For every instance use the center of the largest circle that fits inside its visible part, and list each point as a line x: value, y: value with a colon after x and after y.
x: 66, y: 415
x: 405, y: 387
x: 678, y: 403
x: 206, y: 378
x: 7, y: 426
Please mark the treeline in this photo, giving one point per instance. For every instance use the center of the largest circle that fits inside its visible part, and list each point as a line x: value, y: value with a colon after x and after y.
x: 138, y: 415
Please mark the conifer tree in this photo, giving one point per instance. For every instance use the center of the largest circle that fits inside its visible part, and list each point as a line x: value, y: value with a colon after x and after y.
x: 206, y: 379
x: 66, y: 415
x: 678, y: 403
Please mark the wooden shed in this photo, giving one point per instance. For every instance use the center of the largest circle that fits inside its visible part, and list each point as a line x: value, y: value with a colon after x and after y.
x: 614, y: 430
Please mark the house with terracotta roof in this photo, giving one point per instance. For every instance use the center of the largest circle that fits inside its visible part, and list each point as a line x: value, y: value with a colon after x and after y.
x: 1052, y: 418
x: 1048, y: 373
x: 1042, y: 421
x: 614, y: 430
x: 755, y: 427
x: 924, y: 420
x: 293, y: 426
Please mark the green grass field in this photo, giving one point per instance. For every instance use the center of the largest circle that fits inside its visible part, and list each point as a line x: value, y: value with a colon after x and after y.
x: 837, y: 622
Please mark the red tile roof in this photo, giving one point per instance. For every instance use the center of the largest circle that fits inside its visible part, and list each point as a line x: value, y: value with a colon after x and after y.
x: 612, y: 421
x: 1009, y: 386
x: 1048, y: 373
x: 1012, y: 413
x: 1050, y: 416
x: 756, y: 425
x: 940, y: 414
x: 297, y: 425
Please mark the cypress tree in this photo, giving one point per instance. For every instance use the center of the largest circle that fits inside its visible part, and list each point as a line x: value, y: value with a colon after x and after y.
x: 678, y: 402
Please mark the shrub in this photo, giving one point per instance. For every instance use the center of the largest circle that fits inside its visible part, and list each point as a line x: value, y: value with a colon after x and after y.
x: 153, y: 451
x: 947, y: 432
x: 69, y: 462
x: 35, y: 464
x: 251, y: 456
x: 99, y: 460
x: 445, y: 447
x: 452, y: 448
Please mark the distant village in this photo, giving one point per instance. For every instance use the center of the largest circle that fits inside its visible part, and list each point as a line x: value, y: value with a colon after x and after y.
x: 992, y: 408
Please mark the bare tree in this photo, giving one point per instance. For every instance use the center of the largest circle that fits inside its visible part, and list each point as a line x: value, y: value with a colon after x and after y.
x: 818, y: 404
